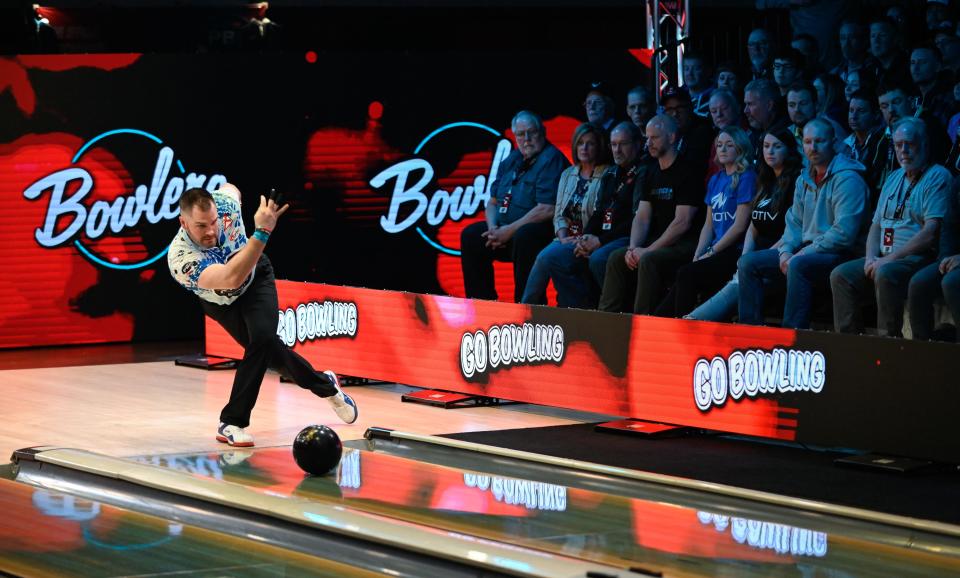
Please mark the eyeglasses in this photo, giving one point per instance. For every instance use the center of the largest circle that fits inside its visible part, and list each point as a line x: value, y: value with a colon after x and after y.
x: 782, y: 65
x: 758, y: 44
x: 594, y: 103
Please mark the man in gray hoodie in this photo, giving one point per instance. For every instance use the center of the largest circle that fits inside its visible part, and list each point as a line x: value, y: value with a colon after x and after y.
x: 824, y: 227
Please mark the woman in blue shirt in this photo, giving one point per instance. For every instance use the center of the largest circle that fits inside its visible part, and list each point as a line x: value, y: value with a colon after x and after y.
x: 729, y: 195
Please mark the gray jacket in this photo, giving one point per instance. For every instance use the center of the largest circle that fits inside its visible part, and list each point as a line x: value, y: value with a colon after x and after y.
x: 831, y: 217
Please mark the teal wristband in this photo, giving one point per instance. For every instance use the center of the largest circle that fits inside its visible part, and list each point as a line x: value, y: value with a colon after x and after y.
x: 261, y: 235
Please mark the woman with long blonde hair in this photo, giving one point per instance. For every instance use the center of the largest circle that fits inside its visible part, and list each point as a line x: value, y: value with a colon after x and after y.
x: 729, y: 196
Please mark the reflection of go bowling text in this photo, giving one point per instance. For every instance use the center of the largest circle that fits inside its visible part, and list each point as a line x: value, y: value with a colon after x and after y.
x: 780, y: 538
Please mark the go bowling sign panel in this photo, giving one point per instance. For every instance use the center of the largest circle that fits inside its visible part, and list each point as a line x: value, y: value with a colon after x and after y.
x: 775, y: 383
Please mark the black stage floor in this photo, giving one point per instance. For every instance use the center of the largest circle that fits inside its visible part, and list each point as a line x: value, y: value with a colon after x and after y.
x: 756, y: 465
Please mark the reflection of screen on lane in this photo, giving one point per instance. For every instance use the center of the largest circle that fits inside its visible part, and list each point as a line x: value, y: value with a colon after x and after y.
x: 523, y: 508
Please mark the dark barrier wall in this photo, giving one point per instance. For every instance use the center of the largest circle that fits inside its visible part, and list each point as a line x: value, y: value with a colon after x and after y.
x: 97, y: 148
x: 879, y: 394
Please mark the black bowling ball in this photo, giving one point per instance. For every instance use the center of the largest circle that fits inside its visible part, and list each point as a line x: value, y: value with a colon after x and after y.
x: 317, y: 449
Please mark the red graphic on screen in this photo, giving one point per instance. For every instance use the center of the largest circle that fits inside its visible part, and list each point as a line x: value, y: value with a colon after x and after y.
x: 13, y: 72
x: 43, y: 284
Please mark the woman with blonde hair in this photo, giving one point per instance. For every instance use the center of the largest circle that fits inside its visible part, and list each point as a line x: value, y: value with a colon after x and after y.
x: 729, y: 196
x: 577, y: 196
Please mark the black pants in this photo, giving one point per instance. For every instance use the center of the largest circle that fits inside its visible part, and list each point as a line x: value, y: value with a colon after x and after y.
x: 252, y: 321
x: 699, y: 279
x: 522, y: 249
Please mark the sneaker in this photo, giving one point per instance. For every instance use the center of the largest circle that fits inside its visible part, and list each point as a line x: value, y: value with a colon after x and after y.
x: 342, y: 403
x: 234, y: 436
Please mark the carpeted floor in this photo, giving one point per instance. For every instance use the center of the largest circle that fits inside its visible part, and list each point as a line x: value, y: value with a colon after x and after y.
x: 792, y: 471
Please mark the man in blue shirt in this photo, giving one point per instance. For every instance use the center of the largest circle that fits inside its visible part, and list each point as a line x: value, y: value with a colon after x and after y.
x: 212, y: 257
x: 519, y: 214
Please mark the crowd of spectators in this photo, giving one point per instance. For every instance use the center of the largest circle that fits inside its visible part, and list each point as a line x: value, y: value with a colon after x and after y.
x: 771, y: 193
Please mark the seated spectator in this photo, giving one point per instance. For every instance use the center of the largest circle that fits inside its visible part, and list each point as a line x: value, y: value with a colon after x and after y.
x: 663, y: 232
x: 940, y: 279
x: 788, y: 66
x: 760, y: 108
x: 860, y: 79
x: 831, y: 101
x: 824, y: 227
x: 599, y: 107
x: 519, y: 214
x: 868, y: 144
x: 729, y: 196
x: 697, y: 80
x: 895, y: 103
x: 609, y: 228
x: 936, y: 92
x: 892, y: 63
x: 577, y: 197
x: 902, y: 238
x: 776, y: 178
x: 855, y: 49
x: 948, y: 43
x: 802, y: 108
x: 724, y: 110
x: 758, y: 52
x: 807, y: 45
x: 694, y: 135
x: 728, y: 78
x: 641, y: 107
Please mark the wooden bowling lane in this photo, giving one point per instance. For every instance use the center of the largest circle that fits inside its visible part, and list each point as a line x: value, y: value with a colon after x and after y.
x: 128, y: 409
x: 678, y: 533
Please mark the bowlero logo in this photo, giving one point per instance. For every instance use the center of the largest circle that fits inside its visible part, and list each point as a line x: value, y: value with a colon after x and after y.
x: 67, y: 215
x: 316, y: 320
x: 408, y: 189
x: 754, y: 372
x: 510, y: 344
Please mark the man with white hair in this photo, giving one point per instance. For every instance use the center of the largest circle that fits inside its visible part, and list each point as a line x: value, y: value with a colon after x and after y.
x: 902, y: 237
x: 519, y: 214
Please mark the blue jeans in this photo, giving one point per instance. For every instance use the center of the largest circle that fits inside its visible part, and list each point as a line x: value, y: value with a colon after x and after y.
x: 569, y: 273
x: 925, y: 288
x: 721, y: 307
x: 806, y: 273
x: 598, y: 259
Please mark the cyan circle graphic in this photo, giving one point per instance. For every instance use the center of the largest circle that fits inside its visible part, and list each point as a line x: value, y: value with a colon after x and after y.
x: 87, y: 252
x: 423, y: 143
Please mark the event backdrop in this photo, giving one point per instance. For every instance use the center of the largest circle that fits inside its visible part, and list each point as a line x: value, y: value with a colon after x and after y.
x: 385, y: 156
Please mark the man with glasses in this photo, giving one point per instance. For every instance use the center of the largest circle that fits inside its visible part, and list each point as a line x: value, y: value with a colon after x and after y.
x: 787, y: 68
x: 519, y: 213
x: 694, y: 135
x: 902, y: 237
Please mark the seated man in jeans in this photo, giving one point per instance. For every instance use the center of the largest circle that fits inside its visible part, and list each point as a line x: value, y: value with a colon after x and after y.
x: 902, y: 238
x: 824, y: 226
x: 938, y: 279
x: 519, y: 214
